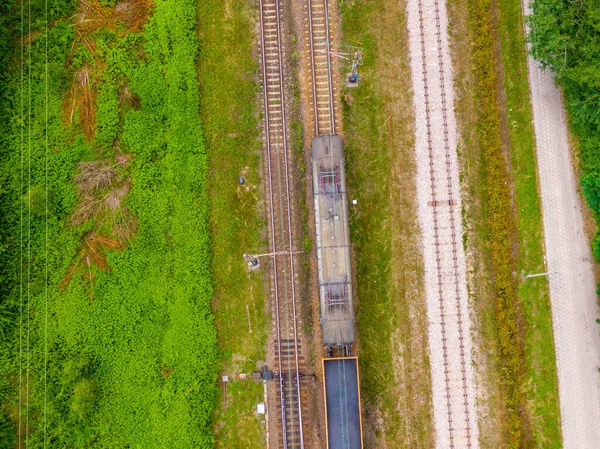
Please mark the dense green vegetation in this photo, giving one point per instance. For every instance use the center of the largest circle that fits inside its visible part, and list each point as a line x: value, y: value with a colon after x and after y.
x: 391, y: 320
x: 566, y: 37
x: 504, y: 225
x: 119, y: 350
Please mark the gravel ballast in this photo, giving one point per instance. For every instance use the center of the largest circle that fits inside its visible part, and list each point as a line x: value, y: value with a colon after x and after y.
x: 439, y: 210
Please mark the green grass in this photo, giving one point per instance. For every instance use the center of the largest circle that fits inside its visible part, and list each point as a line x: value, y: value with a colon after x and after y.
x: 240, y: 427
x: 228, y: 89
x: 132, y: 358
x: 504, y: 225
x: 490, y: 208
x: 542, y: 390
x: 390, y: 318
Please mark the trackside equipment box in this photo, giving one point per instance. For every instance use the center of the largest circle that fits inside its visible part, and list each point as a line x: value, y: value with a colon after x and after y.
x: 342, y: 403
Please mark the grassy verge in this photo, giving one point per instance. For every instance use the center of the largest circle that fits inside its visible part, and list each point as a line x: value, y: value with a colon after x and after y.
x: 542, y: 391
x: 228, y: 90
x: 504, y: 225
x: 238, y: 425
x: 380, y: 163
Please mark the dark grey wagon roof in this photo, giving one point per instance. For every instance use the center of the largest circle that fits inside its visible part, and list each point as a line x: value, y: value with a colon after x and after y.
x: 342, y: 401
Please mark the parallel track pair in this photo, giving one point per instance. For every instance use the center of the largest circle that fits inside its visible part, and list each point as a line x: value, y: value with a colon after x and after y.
x: 287, y: 343
x: 290, y: 363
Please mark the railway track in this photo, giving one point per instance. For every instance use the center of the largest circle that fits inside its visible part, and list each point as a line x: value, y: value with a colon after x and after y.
x: 289, y: 359
x: 449, y: 331
x: 324, y: 110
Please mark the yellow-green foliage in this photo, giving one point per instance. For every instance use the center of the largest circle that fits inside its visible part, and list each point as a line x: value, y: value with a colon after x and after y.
x: 499, y: 222
x: 542, y: 382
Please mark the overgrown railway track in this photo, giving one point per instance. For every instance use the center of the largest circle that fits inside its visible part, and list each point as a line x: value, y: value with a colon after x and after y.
x: 288, y: 354
x: 450, y: 339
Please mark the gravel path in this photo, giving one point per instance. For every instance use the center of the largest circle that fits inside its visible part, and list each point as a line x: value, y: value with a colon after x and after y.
x: 439, y: 210
x: 568, y: 258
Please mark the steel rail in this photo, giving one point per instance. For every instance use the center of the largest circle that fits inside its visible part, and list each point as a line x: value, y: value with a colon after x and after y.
x: 268, y: 143
x: 289, y: 219
x: 329, y: 76
x: 282, y: 384
x: 321, y: 124
x: 312, y: 66
x: 450, y: 203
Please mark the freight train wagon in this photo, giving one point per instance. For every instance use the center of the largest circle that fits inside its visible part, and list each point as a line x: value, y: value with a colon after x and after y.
x: 333, y: 241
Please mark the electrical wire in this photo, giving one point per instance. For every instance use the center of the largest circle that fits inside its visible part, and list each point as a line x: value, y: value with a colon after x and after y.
x: 46, y: 235
x: 21, y: 221
x: 29, y: 113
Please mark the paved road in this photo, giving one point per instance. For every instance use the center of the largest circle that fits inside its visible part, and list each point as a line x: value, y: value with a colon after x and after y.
x: 568, y: 258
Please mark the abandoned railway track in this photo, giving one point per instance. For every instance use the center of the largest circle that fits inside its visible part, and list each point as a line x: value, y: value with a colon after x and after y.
x: 440, y: 214
x: 288, y: 354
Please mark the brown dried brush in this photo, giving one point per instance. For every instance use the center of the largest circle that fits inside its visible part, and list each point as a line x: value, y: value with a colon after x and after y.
x: 91, y: 253
x: 95, y: 176
x: 81, y: 96
x: 126, y: 17
x: 132, y: 15
x: 89, y: 207
x: 164, y: 370
x: 125, y: 224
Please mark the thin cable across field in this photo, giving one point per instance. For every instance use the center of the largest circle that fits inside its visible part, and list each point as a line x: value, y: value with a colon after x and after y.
x: 46, y: 233
x: 29, y: 113
x: 21, y: 222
